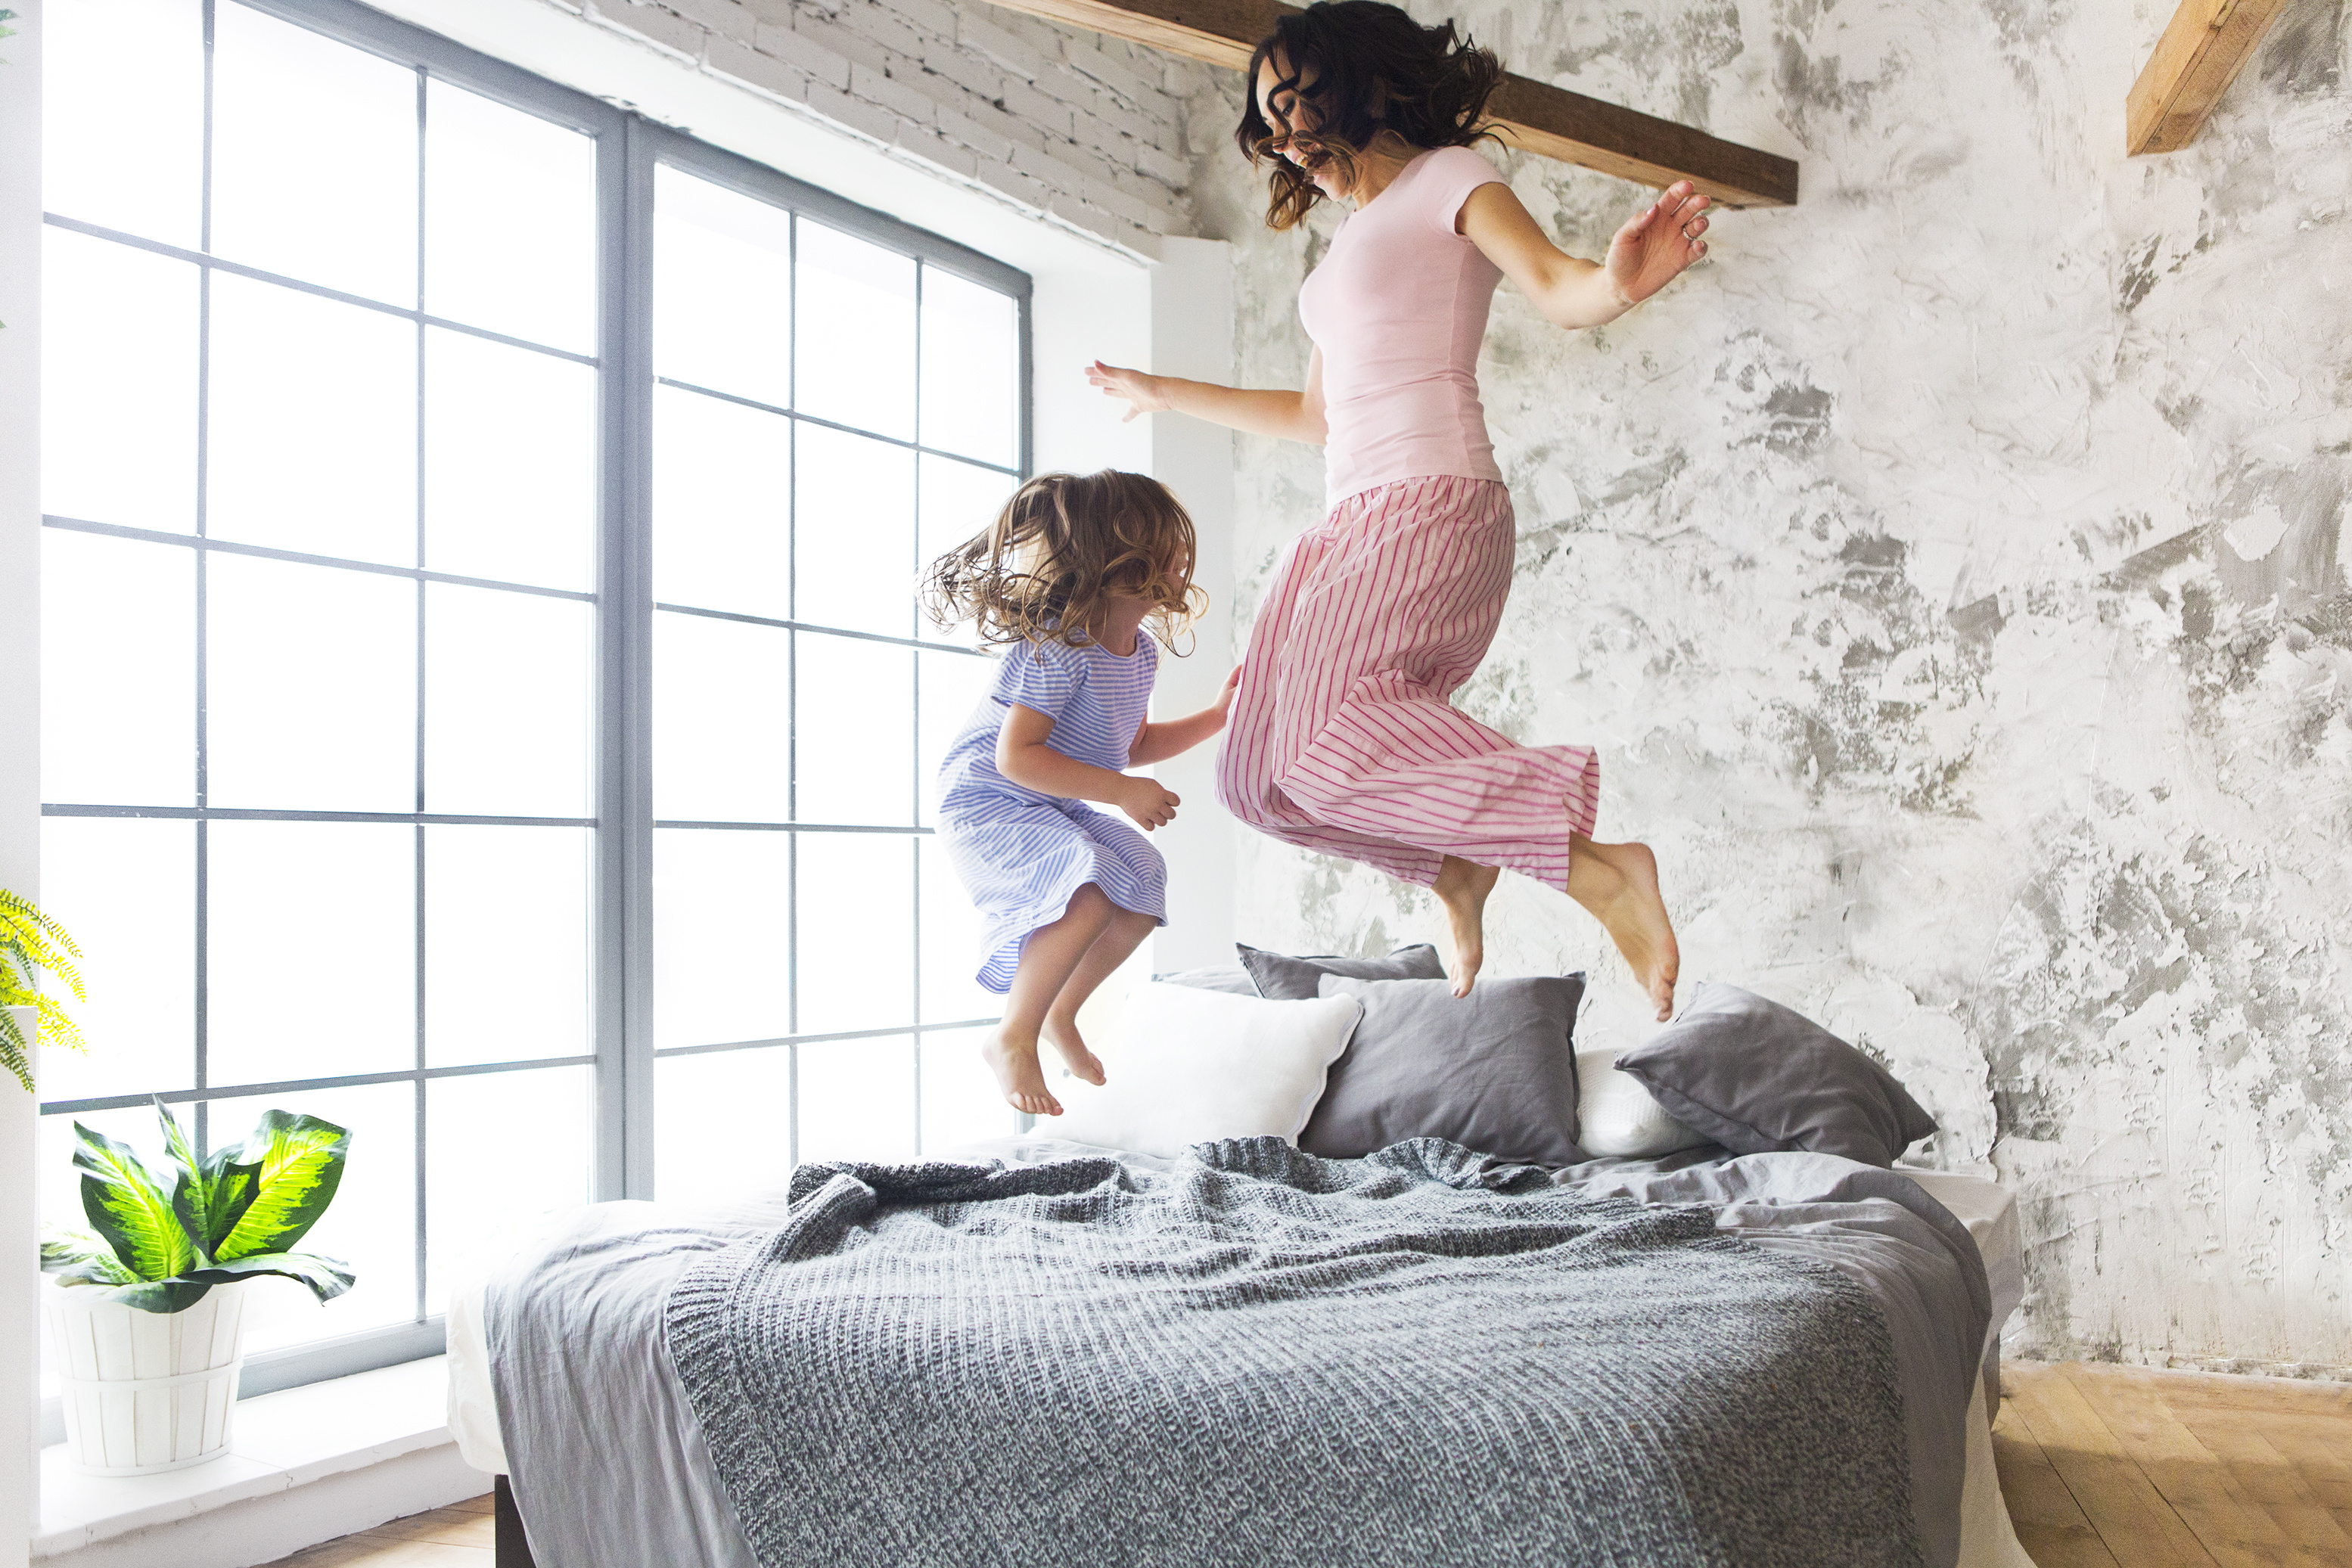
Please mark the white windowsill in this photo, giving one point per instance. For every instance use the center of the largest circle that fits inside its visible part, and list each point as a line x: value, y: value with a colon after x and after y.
x: 283, y: 1441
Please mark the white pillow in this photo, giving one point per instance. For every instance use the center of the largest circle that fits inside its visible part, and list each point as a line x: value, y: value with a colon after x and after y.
x: 1183, y: 1066
x: 1616, y: 1116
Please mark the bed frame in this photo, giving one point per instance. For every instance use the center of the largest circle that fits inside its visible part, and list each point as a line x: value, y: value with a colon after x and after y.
x: 513, y: 1549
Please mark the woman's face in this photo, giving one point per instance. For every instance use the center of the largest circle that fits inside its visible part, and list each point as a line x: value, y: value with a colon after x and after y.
x: 1281, y: 108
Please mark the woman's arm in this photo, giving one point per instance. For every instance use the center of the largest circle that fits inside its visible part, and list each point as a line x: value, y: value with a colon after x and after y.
x: 1260, y: 411
x: 1646, y: 255
x: 1172, y: 737
x: 1023, y: 756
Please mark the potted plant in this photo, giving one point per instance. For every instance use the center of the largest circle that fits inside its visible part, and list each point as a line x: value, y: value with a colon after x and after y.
x: 30, y: 942
x: 147, y: 1310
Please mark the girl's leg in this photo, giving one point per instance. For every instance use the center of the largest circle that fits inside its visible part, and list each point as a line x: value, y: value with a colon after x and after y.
x: 1048, y: 958
x: 1118, y: 941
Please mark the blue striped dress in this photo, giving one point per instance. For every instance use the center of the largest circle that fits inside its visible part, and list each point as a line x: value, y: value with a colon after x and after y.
x: 1024, y: 855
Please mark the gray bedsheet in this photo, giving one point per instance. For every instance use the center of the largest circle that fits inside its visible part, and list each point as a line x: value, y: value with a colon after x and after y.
x: 610, y: 1465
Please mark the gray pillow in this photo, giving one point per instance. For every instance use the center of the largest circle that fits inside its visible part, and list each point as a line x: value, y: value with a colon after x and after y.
x: 1494, y: 1070
x: 1233, y: 979
x: 1283, y: 979
x: 1757, y: 1077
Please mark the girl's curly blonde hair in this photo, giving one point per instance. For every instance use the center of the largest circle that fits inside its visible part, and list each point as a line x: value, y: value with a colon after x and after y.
x: 1063, y: 545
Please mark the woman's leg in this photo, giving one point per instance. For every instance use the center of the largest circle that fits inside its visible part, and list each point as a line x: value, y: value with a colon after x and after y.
x: 1118, y: 942
x: 1048, y: 958
x: 1617, y: 883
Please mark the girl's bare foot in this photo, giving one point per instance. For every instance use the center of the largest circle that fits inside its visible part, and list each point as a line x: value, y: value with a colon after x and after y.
x: 1014, y: 1062
x: 1463, y: 887
x: 1618, y: 885
x: 1062, y: 1034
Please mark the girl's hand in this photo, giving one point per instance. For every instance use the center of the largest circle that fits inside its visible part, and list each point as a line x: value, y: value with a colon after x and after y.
x: 1144, y: 393
x: 1150, y: 805
x: 1223, y: 704
x: 1657, y: 243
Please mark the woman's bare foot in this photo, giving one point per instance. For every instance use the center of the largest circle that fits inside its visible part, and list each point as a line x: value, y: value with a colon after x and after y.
x: 1463, y: 887
x: 1014, y: 1062
x: 1617, y: 883
x: 1062, y: 1034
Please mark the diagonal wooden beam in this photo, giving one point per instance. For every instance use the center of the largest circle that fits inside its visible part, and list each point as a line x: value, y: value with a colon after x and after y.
x: 2196, y: 60
x: 1533, y: 115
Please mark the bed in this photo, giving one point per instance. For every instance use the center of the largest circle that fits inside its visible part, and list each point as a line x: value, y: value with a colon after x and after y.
x: 570, y: 1380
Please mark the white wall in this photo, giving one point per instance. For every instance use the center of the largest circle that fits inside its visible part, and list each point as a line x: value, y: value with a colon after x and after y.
x: 20, y: 729
x: 1952, y: 573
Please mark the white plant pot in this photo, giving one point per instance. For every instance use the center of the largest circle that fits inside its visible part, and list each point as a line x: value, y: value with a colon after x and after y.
x: 146, y: 1392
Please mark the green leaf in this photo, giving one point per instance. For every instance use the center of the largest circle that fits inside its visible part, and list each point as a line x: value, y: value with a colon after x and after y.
x: 327, y: 1277
x: 128, y: 1209
x: 168, y: 1296
x: 13, y: 1055
x: 76, y: 1249
x: 99, y: 1268
x: 213, y: 1193
x: 301, y: 1163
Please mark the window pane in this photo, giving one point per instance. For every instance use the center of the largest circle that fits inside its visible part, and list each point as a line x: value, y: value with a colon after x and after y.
x: 723, y: 1125
x: 722, y: 733
x: 953, y: 685
x: 723, y: 296
x: 856, y: 350
x: 123, y: 103
x: 722, y: 504
x: 510, y: 221
x: 118, y: 670
x: 509, y: 689
x: 951, y: 955
x: 313, y: 424
x: 960, y: 1101
x: 856, y: 931
x: 722, y: 936
x: 854, y: 747
x: 126, y: 888
x: 310, y: 699
x: 510, y: 462
x: 502, y: 1149
x: 314, y: 158
x: 507, y: 934
x: 371, y: 1224
x: 856, y: 533
x: 972, y: 369
x: 117, y: 376
x: 310, y: 945
x: 958, y: 500
x: 857, y: 1100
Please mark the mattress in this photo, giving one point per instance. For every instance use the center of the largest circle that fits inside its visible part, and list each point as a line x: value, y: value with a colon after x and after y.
x: 1983, y: 1207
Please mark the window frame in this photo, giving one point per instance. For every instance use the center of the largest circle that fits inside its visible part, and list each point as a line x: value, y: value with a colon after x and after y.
x: 621, y: 1051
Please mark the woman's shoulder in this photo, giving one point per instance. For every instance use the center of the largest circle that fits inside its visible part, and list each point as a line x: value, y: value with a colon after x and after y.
x: 1448, y: 175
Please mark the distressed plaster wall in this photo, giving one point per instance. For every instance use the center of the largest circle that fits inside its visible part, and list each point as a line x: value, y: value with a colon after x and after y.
x: 1952, y: 574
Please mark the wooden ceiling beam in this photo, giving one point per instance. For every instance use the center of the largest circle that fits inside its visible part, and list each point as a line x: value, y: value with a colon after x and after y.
x: 2200, y: 54
x: 1529, y: 114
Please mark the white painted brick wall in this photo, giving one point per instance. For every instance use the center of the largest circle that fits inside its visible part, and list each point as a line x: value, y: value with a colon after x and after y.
x: 1071, y: 125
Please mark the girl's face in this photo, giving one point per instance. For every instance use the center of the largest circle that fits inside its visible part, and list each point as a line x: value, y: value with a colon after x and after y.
x: 1280, y: 107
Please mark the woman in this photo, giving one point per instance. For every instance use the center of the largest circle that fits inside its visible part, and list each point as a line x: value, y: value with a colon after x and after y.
x: 1341, y: 739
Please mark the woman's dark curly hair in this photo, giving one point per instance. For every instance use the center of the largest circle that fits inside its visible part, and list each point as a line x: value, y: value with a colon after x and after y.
x: 1062, y: 545
x: 1359, y: 66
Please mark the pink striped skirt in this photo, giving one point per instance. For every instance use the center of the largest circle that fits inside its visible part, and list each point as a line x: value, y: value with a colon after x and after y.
x: 1340, y: 739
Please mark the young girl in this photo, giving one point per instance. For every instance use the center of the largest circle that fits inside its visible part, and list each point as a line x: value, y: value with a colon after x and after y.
x: 1343, y: 739
x: 1064, y: 581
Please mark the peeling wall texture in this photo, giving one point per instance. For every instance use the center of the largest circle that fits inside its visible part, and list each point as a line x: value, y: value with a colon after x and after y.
x: 1952, y: 572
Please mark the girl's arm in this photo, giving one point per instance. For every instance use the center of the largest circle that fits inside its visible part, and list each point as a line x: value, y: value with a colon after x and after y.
x: 1159, y: 742
x: 1646, y: 255
x: 1260, y: 411
x: 1023, y: 756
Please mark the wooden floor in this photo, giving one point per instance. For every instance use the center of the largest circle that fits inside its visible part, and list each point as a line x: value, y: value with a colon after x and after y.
x: 2103, y: 1467
x: 2117, y: 1467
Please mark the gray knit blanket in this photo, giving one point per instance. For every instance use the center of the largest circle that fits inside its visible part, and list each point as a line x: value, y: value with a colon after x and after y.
x: 1262, y: 1357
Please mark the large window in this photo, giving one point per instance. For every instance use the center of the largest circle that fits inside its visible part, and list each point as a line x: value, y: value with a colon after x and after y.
x: 484, y: 698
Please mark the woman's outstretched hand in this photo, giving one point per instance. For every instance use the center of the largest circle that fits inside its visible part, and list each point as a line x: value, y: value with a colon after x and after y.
x: 1658, y: 243
x: 1144, y: 394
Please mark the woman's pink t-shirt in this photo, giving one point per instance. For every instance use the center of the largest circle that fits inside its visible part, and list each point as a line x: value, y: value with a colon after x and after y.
x: 1399, y: 308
